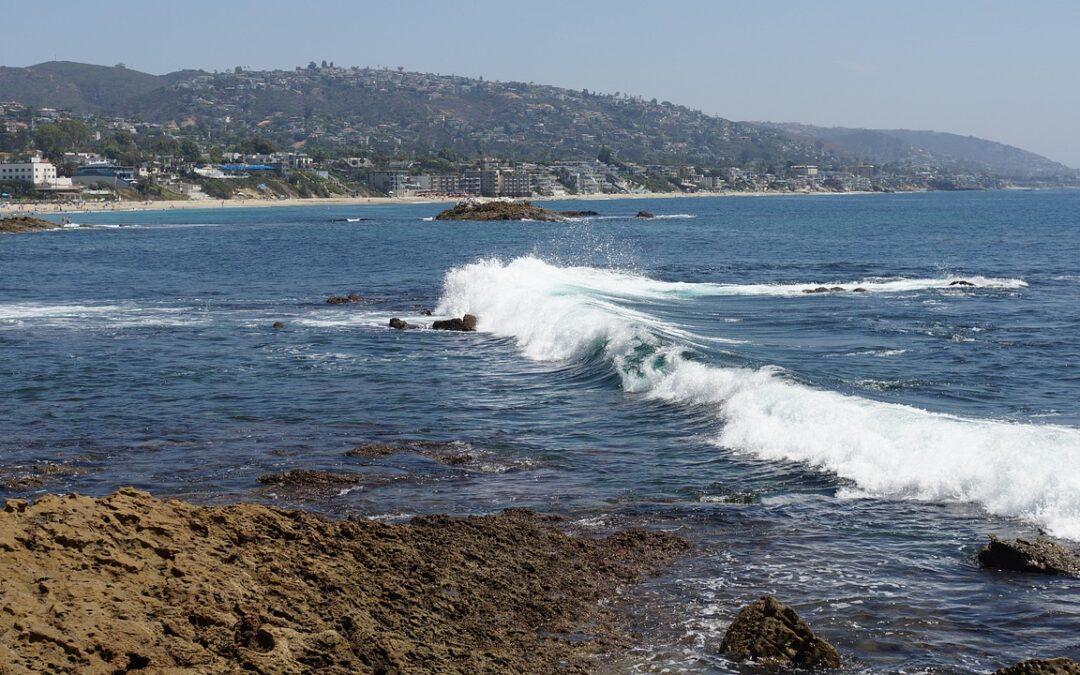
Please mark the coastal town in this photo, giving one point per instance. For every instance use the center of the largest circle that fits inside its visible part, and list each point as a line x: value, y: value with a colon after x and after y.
x: 223, y: 141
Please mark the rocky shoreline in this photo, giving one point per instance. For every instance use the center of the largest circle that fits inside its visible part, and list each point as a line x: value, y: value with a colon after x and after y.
x: 132, y: 582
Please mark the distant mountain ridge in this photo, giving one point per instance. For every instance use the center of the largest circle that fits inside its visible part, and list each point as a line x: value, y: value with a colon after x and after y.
x: 395, y: 113
x: 913, y: 148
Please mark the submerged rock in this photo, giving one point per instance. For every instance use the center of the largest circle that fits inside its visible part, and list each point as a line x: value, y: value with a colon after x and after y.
x: 860, y: 289
x: 961, y: 282
x: 278, y: 325
x: 645, y: 214
x: 473, y: 210
x: 1042, y: 556
x: 819, y: 289
x: 770, y: 633
x: 466, y: 324
x: 350, y: 299
x: 1059, y: 666
x: 579, y: 214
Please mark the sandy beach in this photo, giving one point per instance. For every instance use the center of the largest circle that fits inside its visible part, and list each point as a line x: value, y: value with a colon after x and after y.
x: 119, y: 207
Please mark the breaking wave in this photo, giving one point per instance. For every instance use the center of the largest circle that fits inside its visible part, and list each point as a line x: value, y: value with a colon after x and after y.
x: 571, y: 313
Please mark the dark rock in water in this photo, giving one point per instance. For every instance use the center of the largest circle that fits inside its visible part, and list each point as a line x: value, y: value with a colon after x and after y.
x: 770, y: 633
x: 278, y: 325
x: 837, y: 289
x: 465, y: 324
x: 472, y: 210
x: 860, y: 289
x: 645, y: 214
x: 961, y: 282
x: 374, y: 450
x: 1042, y: 556
x: 819, y: 289
x: 399, y: 324
x: 18, y: 224
x: 579, y: 214
x: 308, y: 478
x: 1059, y: 666
x: 350, y: 299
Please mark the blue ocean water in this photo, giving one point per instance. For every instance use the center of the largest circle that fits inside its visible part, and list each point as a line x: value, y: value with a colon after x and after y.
x: 847, y: 451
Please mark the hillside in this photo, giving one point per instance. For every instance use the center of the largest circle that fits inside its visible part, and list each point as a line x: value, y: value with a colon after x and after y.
x: 78, y: 87
x: 931, y: 149
x: 394, y: 113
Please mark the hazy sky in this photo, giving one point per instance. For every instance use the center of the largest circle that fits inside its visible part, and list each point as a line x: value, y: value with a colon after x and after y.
x: 1008, y: 71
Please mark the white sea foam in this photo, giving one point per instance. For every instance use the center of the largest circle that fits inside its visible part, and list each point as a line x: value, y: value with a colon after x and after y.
x: 1022, y: 470
x: 96, y: 316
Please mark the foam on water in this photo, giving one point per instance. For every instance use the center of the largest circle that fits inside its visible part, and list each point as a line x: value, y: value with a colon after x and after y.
x: 1026, y: 471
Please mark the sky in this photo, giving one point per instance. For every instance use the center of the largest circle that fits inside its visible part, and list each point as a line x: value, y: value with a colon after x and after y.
x: 1007, y: 71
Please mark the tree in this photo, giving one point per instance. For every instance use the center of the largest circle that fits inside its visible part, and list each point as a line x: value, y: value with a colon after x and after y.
x: 605, y: 155
x: 189, y: 150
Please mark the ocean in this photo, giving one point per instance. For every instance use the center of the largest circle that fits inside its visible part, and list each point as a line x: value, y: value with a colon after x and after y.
x: 847, y: 451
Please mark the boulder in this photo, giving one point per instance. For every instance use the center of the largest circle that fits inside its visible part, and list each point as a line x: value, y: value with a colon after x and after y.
x: 1042, y: 556
x: 474, y: 210
x: 1059, y: 666
x: 860, y: 289
x: 645, y: 214
x: 579, y: 214
x: 961, y: 282
x: 350, y: 299
x: 465, y: 324
x: 819, y: 289
x: 278, y: 325
x: 770, y: 633
x: 399, y: 324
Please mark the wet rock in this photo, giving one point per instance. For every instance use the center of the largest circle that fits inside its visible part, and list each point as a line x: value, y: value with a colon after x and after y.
x: 1059, y: 666
x: 473, y: 210
x: 579, y: 214
x: 306, y: 478
x: 819, y: 289
x: 400, y: 324
x: 278, y: 325
x: 37, y: 476
x: 770, y: 633
x: 465, y: 324
x: 1042, y: 556
x: 350, y: 299
x: 645, y: 214
x: 837, y: 289
x: 860, y: 289
x: 374, y: 450
x: 961, y: 282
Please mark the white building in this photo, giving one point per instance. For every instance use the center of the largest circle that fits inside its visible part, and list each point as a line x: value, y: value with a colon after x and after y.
x: 37, y: 172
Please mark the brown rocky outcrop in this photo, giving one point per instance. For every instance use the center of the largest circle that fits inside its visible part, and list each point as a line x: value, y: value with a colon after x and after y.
x: 1043, y: 556
x: 18, y: 224
x: 770, y: 633
x: 401, y: 324
x: 131, y: 582
x: 1059, y: 666
x: 472, y: 210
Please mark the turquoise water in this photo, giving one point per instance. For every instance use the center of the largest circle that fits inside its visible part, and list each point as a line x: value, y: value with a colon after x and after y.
x: 847, y: 451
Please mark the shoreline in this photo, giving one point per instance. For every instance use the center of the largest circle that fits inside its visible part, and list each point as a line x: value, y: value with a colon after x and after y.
x: 209, y: 204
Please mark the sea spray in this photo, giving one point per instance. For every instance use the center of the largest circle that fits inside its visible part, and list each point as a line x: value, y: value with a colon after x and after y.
x: 889, y: 450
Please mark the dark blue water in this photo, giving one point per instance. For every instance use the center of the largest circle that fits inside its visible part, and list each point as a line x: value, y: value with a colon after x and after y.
x: 847, y: 451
